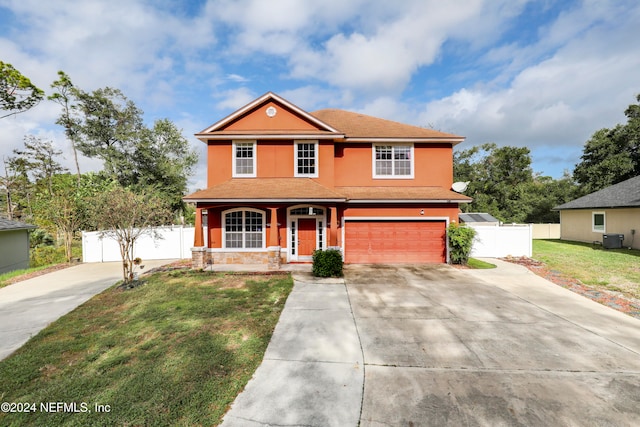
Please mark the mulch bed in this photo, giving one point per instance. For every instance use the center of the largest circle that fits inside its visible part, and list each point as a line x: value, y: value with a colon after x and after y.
x: 611, y: 299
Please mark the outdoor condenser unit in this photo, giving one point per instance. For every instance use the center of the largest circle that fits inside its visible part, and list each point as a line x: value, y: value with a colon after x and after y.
x: 612, y: 241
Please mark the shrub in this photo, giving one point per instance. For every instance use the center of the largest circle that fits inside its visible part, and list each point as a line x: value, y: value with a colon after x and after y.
x: 47, y: 255
x: 460, y: 242
x: 327, y: 263
x: 40, y: 237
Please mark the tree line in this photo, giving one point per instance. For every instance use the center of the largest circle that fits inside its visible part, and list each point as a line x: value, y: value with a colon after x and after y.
x: 502, y: 182
x: 143, y: 179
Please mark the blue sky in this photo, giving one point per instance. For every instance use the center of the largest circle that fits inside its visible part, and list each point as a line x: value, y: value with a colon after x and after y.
x: 545, y: 74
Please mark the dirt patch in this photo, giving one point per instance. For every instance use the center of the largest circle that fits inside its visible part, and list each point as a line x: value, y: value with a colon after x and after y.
x: 226, y: 282
x: 615, y: 300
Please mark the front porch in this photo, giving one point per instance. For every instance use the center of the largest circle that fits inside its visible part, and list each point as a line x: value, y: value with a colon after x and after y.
x: 261, y: 234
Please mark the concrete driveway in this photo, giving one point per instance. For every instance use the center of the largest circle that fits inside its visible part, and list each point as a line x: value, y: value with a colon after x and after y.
x: 498, y: 347
x: 27, y: 307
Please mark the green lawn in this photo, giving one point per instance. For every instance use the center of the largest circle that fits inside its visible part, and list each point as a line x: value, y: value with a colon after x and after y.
x: 175, y: 351
x: 612, y: 269
x: 479, y: 265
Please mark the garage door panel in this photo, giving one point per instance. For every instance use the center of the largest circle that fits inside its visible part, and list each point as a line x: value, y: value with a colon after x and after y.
x: 395, y: 241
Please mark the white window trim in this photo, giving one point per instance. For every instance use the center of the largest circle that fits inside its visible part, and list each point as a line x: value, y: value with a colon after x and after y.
x: 224, y: 229
x: 593, y: 222
x: 412, y: 160
x: 295, y: 158
x: 255, y: 155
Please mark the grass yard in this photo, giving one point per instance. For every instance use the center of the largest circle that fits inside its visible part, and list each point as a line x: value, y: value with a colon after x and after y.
x: 175, y: 351
x: 612, y: 269
x: 479, y: 265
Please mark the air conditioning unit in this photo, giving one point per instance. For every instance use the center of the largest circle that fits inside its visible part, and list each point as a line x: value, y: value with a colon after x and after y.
x: 612, y: 241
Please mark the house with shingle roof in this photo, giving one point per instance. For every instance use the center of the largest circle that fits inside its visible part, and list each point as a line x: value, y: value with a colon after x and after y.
x: 283, y: 182
x: 612, y: 210
x: 14, y: 245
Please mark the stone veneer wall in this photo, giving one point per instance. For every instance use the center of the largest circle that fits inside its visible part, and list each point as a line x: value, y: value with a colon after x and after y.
x: 199, y: 258
x: 239, y: 257
x: 272, y: 257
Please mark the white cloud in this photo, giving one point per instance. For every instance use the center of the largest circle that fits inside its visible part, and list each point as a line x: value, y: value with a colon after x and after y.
x: 234, y: 99
x: 125, y: 44
x: 236, y: 78
x: 452, y: 65
x: 584, y: 85
x: 384, y: 59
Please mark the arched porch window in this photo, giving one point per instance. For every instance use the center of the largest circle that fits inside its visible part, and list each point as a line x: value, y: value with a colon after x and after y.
x: 244, y: 228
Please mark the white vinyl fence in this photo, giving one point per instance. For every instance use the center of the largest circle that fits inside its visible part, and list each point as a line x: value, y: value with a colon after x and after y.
x: 546, y: 231
x: 175, y: 242
x: 498, y: 242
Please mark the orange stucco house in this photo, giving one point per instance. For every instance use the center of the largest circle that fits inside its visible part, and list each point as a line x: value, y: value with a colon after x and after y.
x: 283, y: 182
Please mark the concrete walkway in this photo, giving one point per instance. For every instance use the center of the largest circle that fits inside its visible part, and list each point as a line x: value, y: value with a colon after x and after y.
x: 570, y: 306
x: 29, y: 306
x: 312, y: 373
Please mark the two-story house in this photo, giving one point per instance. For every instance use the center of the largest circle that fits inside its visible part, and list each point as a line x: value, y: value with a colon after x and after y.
x: 283, y: 182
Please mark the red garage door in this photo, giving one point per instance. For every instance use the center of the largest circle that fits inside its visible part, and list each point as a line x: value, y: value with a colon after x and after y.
x: 369, y: 242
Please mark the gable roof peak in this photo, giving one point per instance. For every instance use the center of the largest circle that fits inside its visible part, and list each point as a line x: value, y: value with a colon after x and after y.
x: 262, y: 100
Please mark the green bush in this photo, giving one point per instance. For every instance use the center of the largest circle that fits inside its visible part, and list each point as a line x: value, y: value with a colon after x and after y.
x: 47, y: 255
x: 460, y: 242
x: 40, y: 237
x: 327, y: 263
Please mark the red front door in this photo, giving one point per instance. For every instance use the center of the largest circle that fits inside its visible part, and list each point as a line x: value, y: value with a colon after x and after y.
x: 306, y: 236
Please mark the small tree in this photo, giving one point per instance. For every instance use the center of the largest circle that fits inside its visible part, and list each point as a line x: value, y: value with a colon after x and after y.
x: 66, y: 95
x: 66, y: 208
x: 123, y: 215
x: 460, y: 242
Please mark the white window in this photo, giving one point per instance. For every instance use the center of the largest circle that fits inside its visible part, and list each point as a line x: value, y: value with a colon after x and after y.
x: 306, y: 158
x: 244, y: 229
x: 598, y: 223
x: 392, y: 161
x: 244, y: 159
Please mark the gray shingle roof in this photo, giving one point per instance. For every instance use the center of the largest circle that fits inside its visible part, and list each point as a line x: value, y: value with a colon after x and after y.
x: 477, y: 217
x: 7, y: 224
x: 624, y: 194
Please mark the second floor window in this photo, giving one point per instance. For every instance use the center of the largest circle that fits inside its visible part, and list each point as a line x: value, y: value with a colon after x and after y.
x: 244, y: 159
x: 393, y: 161
x: 306, y: 158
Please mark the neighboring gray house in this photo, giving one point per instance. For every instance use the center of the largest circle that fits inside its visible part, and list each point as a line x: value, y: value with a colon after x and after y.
x: 612, y: 210
x: 14, y: 245
x: 473, y: 219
